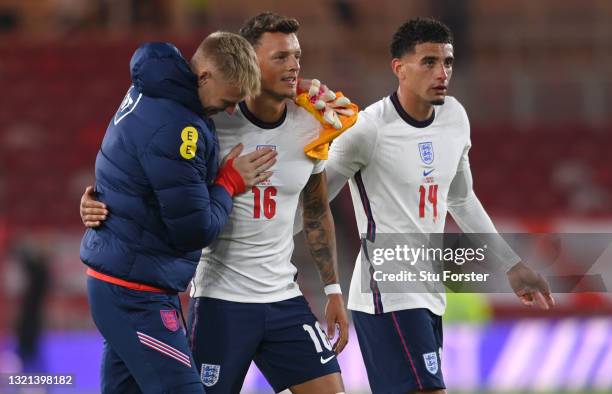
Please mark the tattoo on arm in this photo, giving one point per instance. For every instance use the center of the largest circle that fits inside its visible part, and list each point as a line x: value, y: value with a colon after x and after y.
x: 319, y: 228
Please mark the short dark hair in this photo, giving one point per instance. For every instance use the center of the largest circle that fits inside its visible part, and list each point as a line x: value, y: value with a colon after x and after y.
x: 267, y: 22
x: 418, y: 31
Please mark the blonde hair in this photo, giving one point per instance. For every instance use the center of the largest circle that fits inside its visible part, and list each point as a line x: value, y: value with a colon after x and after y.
x: 235, y: 58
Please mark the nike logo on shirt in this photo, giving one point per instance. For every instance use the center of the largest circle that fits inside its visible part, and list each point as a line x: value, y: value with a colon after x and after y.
x: 326, y: 360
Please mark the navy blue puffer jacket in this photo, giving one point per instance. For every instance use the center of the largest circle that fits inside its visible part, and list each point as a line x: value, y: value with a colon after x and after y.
x: 155, y: 172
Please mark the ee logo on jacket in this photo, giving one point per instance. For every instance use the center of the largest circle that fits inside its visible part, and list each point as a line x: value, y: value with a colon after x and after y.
x: 189, y: 136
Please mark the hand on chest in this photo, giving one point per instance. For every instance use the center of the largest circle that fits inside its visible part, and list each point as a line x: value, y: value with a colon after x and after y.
x: 292, y: 168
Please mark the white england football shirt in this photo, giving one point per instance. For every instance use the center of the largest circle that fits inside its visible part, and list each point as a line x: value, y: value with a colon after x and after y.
x: 251, y: 259
x: 400, y: 171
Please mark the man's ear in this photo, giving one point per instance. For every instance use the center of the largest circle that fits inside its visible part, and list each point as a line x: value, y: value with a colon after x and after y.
x: 203, y: 78
x: 398, y: 68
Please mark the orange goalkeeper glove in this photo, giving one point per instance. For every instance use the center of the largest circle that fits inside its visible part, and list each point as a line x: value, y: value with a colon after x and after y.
x: 334, y: 111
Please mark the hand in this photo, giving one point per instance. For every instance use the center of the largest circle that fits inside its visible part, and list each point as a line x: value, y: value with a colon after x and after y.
x: 93, y: 212
x: 330, y: 104
x: 253, y: 166
x: 305, y: 85
x: 335, y: 315
x: 530, y: 287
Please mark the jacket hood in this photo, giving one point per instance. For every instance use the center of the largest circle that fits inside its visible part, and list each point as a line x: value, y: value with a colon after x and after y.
x: 159, y: 70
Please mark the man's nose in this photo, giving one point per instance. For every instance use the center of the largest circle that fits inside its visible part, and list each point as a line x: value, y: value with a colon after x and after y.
x: 294, y: 64
x: 443, y: 72
x: 230, y: 109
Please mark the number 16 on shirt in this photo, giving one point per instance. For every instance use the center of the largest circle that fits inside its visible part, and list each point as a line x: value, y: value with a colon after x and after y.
x: 263, y: 197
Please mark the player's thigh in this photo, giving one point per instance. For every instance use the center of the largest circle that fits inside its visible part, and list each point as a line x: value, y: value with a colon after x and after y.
x: 295, y: 349
x: 328, y: 384
x: 224, y: 337
x: 145, y: 333
x: 401, y: 350
x: 115, y: 377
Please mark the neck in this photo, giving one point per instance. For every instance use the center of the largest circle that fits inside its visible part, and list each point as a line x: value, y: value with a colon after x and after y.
x: 413, y: 105
x: 265, y: 108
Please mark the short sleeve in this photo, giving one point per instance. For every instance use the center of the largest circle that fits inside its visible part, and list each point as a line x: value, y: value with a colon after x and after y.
x: 355, y: 147
x: 318, y: 167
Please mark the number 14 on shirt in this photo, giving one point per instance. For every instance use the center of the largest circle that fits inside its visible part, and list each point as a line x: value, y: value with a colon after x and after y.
x: 432, y: 198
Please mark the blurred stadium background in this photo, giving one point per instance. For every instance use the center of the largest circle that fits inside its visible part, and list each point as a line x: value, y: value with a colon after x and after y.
x: 535, y: 77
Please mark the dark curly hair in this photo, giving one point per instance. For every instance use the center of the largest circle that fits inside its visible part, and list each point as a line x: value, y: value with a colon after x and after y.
x: 267, y: 22
x: 418, y: 31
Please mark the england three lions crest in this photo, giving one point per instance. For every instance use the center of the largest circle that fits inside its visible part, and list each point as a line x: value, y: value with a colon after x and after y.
x: 210, y: 374
x: 431, y: 362
x: 427, y: 152
x: 170, y: 319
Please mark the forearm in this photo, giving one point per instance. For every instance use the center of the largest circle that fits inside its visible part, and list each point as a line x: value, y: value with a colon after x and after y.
x: 319, y: 228
x: 471, y: 217
x: 335, y: 183
x: 321, y: 242
x: 200, y: 226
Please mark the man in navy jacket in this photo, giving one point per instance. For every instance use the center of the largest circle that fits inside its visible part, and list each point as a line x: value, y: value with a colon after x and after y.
x: 158, y: 170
